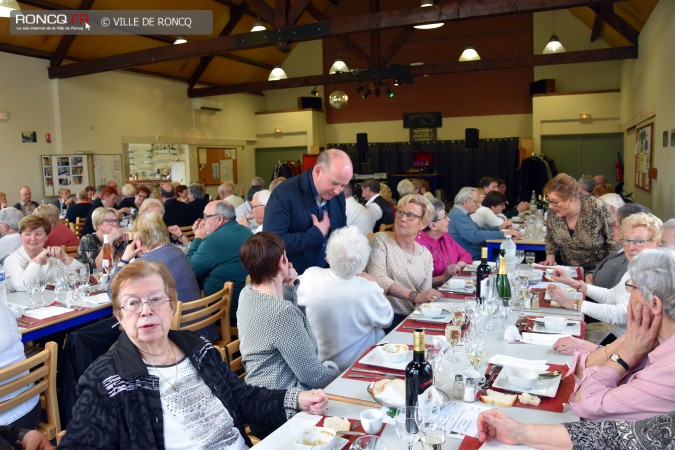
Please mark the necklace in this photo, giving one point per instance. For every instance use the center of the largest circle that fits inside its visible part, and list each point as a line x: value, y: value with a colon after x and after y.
x: 409, y: 255
x: 173, y: 385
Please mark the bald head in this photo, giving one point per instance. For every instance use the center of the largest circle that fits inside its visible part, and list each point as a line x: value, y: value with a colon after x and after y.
x: 332, y: 172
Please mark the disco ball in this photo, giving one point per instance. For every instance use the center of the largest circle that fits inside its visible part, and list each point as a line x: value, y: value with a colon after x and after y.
x: 338, y: 99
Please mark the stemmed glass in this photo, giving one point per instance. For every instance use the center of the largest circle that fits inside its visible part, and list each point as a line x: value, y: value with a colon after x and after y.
x: 474, y: 344
x: 41, y: 285
x: 529, y: 258
x: 520, y: 256
x: 523, y: 289
x: 435, y: 357
x: 98, y: 276
x: 433, y: 435
x: 452, y: 334
x: 31, y: 287
x: 407, y: 427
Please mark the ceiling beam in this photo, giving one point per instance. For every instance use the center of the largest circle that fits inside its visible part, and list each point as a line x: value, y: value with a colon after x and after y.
x: 607, y: 14
x: 67, y: 40
x: 298, y: 33
x: 597, y: 28
x: 297, y: 8
x: 346, y: 42
x: 280, y: 13
x: 233, y: 4
x: 396, y: 44
x: 508, y: 62
x: 375, y: 60
x: 264, y: 11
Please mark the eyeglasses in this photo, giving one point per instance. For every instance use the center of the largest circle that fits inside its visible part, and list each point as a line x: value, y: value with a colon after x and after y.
x: 256, y: 206
x: 406, y: 215
x: 111, y: 221
x: 636, y: 242
x: 629, y: 285
x: 553, y: 202
x: 441, y: 218
x: 135, y: 305
x: 206, y: 216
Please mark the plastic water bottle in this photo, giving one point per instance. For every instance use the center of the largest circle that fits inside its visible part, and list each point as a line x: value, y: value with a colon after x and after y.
x: 3, y: 289
x: 509, y: 248
x: 533, y: 203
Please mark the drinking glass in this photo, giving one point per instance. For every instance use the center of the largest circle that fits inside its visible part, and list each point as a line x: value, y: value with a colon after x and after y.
x: 433, y: 435
x: 31, y: 287
x: 520, y: 255
x: 98, y: 275
x: 506, y: 308
x: 84, y: 274
x: 41, y: 285
x: 529, y: 258
x: 474, y: 344
x: 435, y: 357
x: 407, y: 427
x: 368, y: 442
x: 452, y: 335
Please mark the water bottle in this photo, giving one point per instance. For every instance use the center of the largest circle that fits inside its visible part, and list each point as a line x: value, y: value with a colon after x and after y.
x: 533, y: 203
x: 509, y: 248
x: 3, y: 289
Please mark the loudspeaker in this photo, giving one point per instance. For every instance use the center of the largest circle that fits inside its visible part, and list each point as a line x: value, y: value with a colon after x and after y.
x: 545, y: 86
x: 362, y: 142
x: 309, y: 103
x: 471, y: 137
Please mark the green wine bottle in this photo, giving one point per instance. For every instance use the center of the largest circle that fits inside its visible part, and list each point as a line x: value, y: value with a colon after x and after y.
x: 503, y: 285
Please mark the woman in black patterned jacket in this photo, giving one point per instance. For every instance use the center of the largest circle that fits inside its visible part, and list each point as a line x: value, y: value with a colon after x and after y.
x: 164, y: 389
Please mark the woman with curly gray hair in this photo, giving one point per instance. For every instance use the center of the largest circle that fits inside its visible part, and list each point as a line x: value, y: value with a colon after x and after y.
x: 346, y: 311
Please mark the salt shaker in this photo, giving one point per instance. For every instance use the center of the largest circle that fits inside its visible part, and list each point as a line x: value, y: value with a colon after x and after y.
x: 458, y: 387
x: 470, y: 390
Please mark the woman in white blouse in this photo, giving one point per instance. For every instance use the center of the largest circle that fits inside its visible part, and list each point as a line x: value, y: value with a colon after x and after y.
x: 489, y: 215
x: 33, y: 260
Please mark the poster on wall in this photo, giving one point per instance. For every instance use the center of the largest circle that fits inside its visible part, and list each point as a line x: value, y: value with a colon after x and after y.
x: 644, y: 154
x: 64, y: 171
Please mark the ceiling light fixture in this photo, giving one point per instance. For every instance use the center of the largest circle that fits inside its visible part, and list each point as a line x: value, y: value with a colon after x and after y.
x: 426, y: 3
x: 389, y: 92
x: 7, y: 6
x: 277, y: 74
x: 554, y: 45
x: 338, y: 66
x: 314, y: 92
x: 179, y: 39
x: 429, y: 26
x: 395, y: 81
x: 258, y: 26
x: 469, y: 54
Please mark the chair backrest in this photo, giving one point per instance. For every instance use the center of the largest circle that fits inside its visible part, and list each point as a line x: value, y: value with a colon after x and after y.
x: 64, y: 221
x: 77, y: 226
x: 187, y: 232
x: 70, y: 250
x: 385, y: 227
x: 234, y: 358
x: 213, y: 309
x: 41, y: 374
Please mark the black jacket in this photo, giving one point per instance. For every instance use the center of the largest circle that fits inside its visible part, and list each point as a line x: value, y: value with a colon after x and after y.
x: 119, y: 407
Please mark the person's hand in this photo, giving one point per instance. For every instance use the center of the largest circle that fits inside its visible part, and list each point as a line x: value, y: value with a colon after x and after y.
x: 124, y: 211
x: 589, y: 278
x: 200, y: 229
x: 34, y: 440
x: 56, y: 252
x: 514, y: 233
x: 562, y: 276
x: 452, y: 270
x: 523, y: 206
x: 642, y: 329
x: 505, y: 225
x: 428, y: 296
x: 494, y: 424
x: 315, y: 402
x: 243, y: 220
x: 559, y: 296
x: 3, y: 205
x: 132, y: 249
x: 323, y: 225
x: 549, y: 261
x: 292, y: 275
x: 115, y: 234
x: 568, y: 345
x: 42, y: 257
x: 175, y: 231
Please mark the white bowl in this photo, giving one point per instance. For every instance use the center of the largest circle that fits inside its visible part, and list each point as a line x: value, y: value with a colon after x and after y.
x: 315, y: 436
x: 522, y: 378
x: 455, y: 284
x: 431, y: 310
x: 555, y: 323
x: 394, y: 353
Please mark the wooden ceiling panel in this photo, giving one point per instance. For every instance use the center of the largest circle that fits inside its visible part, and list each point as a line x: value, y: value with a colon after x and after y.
x: 232, y: 72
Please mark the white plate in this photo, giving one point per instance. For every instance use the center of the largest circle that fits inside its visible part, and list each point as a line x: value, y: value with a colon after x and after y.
x: 468, y: 288
x: 545, y: 387
x: 472, y: 267
x: 445, y: 317
x: 338, y: 443
x: 376, y: 358
x: 574, y: 329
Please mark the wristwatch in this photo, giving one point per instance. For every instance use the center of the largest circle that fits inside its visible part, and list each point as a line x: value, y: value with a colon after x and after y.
x: 617, y: 359
x: 412, y: 296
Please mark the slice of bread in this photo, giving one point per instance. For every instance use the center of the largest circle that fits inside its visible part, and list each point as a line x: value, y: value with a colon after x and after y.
x: 527, y: 399
x: 499, y: 399
x: 336, y: 423
x: 398, y: 385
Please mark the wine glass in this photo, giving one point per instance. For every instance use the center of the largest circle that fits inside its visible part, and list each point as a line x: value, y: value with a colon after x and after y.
x: 520, y: 255
x: 368, y: 442
x: 84, y: 274
x: 434, y: 356
x: 98, y: 276
x: 529, y: 258
x: 407, y: 428
x: 41, y: 285
x: 474, y: 344
x: 433, y: 435
x: 31, y: 287
x: 452, y: 335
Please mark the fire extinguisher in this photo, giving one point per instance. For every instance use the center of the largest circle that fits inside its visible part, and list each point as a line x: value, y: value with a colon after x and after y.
x: 619, y: 167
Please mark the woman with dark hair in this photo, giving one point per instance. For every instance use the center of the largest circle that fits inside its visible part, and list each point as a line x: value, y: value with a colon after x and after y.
x: 182, y: 193
x: 490, y: 213
x: 277, y: 344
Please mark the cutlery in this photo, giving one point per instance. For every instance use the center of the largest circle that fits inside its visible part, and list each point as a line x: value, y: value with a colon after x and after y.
x: 553, y: 374
x: 424, y: 328
x: 351, y: 433
x: 371, y: 377
x: 377, y: 372
x: 491, y: 377
x: 355, y: 425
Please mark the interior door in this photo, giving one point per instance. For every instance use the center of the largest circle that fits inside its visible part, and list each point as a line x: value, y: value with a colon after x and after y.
x: 587, y: 154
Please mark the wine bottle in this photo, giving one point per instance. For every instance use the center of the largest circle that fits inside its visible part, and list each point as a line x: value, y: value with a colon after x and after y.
x: 503, y: 285
x: 540, y: 203
x: 482, y: 272
x: 533, y: 203
x: 107, y: 259
x: 418, y: 373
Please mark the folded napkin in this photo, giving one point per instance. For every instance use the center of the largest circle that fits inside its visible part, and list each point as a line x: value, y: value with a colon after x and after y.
x: 47, y: 312
x: 99, y: 299
x: 541, y: 339
x: 390, y: 397
x: 510, y: 361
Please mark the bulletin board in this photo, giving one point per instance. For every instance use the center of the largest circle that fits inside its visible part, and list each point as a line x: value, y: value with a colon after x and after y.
x: 106, y: 168
x: 64, y: 171
x: 217, y: 165
x: 644, y: 156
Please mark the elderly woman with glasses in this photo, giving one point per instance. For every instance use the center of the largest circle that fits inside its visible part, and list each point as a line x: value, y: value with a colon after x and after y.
x: 449, y: 257
x: 638, y: 232
x: 577, y: 225
x: 105, y: 222
x: 157, y: 388
x: 401, y: 266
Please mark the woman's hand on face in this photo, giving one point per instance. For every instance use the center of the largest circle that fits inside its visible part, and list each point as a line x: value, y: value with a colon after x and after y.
x: 559, y: 296
x: 132, y: 249
x: 292, y: 275
x: 642, y: 329
x: 494, y: 424
x: 315, y: 402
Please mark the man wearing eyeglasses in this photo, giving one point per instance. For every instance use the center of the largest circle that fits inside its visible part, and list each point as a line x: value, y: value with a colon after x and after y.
x: 214, y: 253
x: 304, y: 209
x: 465, y: 231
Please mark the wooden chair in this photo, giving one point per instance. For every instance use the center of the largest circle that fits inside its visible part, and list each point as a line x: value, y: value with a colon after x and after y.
x: 77, y: 226
x: 187, y: 232
x: 64, y: 221
x: 70, y: 250
x: 213, y: 309
x: 41, y: 369
x: 385, y: 227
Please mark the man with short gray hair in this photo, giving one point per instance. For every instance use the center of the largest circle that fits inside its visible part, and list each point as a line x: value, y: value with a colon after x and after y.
x: 198, y: 201
x: 465, y: 231
x: 586, y: 184
x: 226, y: 192
x: 214, y: 253
x: 9, y: 230
x: 668, y: 234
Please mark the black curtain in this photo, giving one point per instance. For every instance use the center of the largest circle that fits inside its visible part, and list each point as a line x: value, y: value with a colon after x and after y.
x: 460, y: 166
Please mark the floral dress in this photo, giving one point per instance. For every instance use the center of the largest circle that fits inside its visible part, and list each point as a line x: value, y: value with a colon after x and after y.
x: 90, y: 246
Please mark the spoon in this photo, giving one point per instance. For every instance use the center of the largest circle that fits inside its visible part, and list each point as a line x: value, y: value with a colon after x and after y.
x: 553, y: 374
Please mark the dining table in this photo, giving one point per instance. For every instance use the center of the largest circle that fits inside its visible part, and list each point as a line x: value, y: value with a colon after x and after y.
x: 348, y: 393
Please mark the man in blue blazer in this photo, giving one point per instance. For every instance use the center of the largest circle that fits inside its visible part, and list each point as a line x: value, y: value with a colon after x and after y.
x: 304, y: 209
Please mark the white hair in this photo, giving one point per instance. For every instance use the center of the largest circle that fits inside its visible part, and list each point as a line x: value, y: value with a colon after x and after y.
x: 347, y: 252
x: 262, y: 196
x: 613, y: 201
x: 653, y: 272
x: 464, y: 194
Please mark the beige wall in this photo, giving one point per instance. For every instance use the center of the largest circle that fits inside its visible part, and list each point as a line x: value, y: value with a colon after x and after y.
x: 647, y: 87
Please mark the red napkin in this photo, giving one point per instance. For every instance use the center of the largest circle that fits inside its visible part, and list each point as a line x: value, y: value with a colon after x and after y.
x: 470, y: 443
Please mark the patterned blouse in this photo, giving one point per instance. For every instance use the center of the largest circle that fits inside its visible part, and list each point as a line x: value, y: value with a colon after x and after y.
x: 653, y: 434
x: 90, y: 246
x: 389, y: 264
x: 591, y: 240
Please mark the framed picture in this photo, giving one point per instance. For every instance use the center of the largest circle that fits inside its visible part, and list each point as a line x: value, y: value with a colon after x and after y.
x: 644, y: 155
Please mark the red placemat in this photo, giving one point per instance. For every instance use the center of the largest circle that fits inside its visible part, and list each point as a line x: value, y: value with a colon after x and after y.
x: 430, y: 328
x: 470, y: 443
x: 30, y: 322
x: 528, y: 325
x: 554, y: 404
x: 359, y: 427
x: 374, y: 376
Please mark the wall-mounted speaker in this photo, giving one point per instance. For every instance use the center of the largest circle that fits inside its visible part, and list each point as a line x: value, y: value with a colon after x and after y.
x: 471, y: 137
x: 309, y: 103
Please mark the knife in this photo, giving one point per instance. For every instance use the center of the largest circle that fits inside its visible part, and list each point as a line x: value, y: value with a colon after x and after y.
x: 424, y: 328
x: 351, y: 433
x: 492, y: 376
x: 356, y: 369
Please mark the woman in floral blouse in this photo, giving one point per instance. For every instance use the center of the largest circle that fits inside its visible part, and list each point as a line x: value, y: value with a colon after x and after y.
x: 105, y: 221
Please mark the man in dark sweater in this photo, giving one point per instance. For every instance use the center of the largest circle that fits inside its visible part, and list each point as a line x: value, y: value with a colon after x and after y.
x: 379, y: 209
